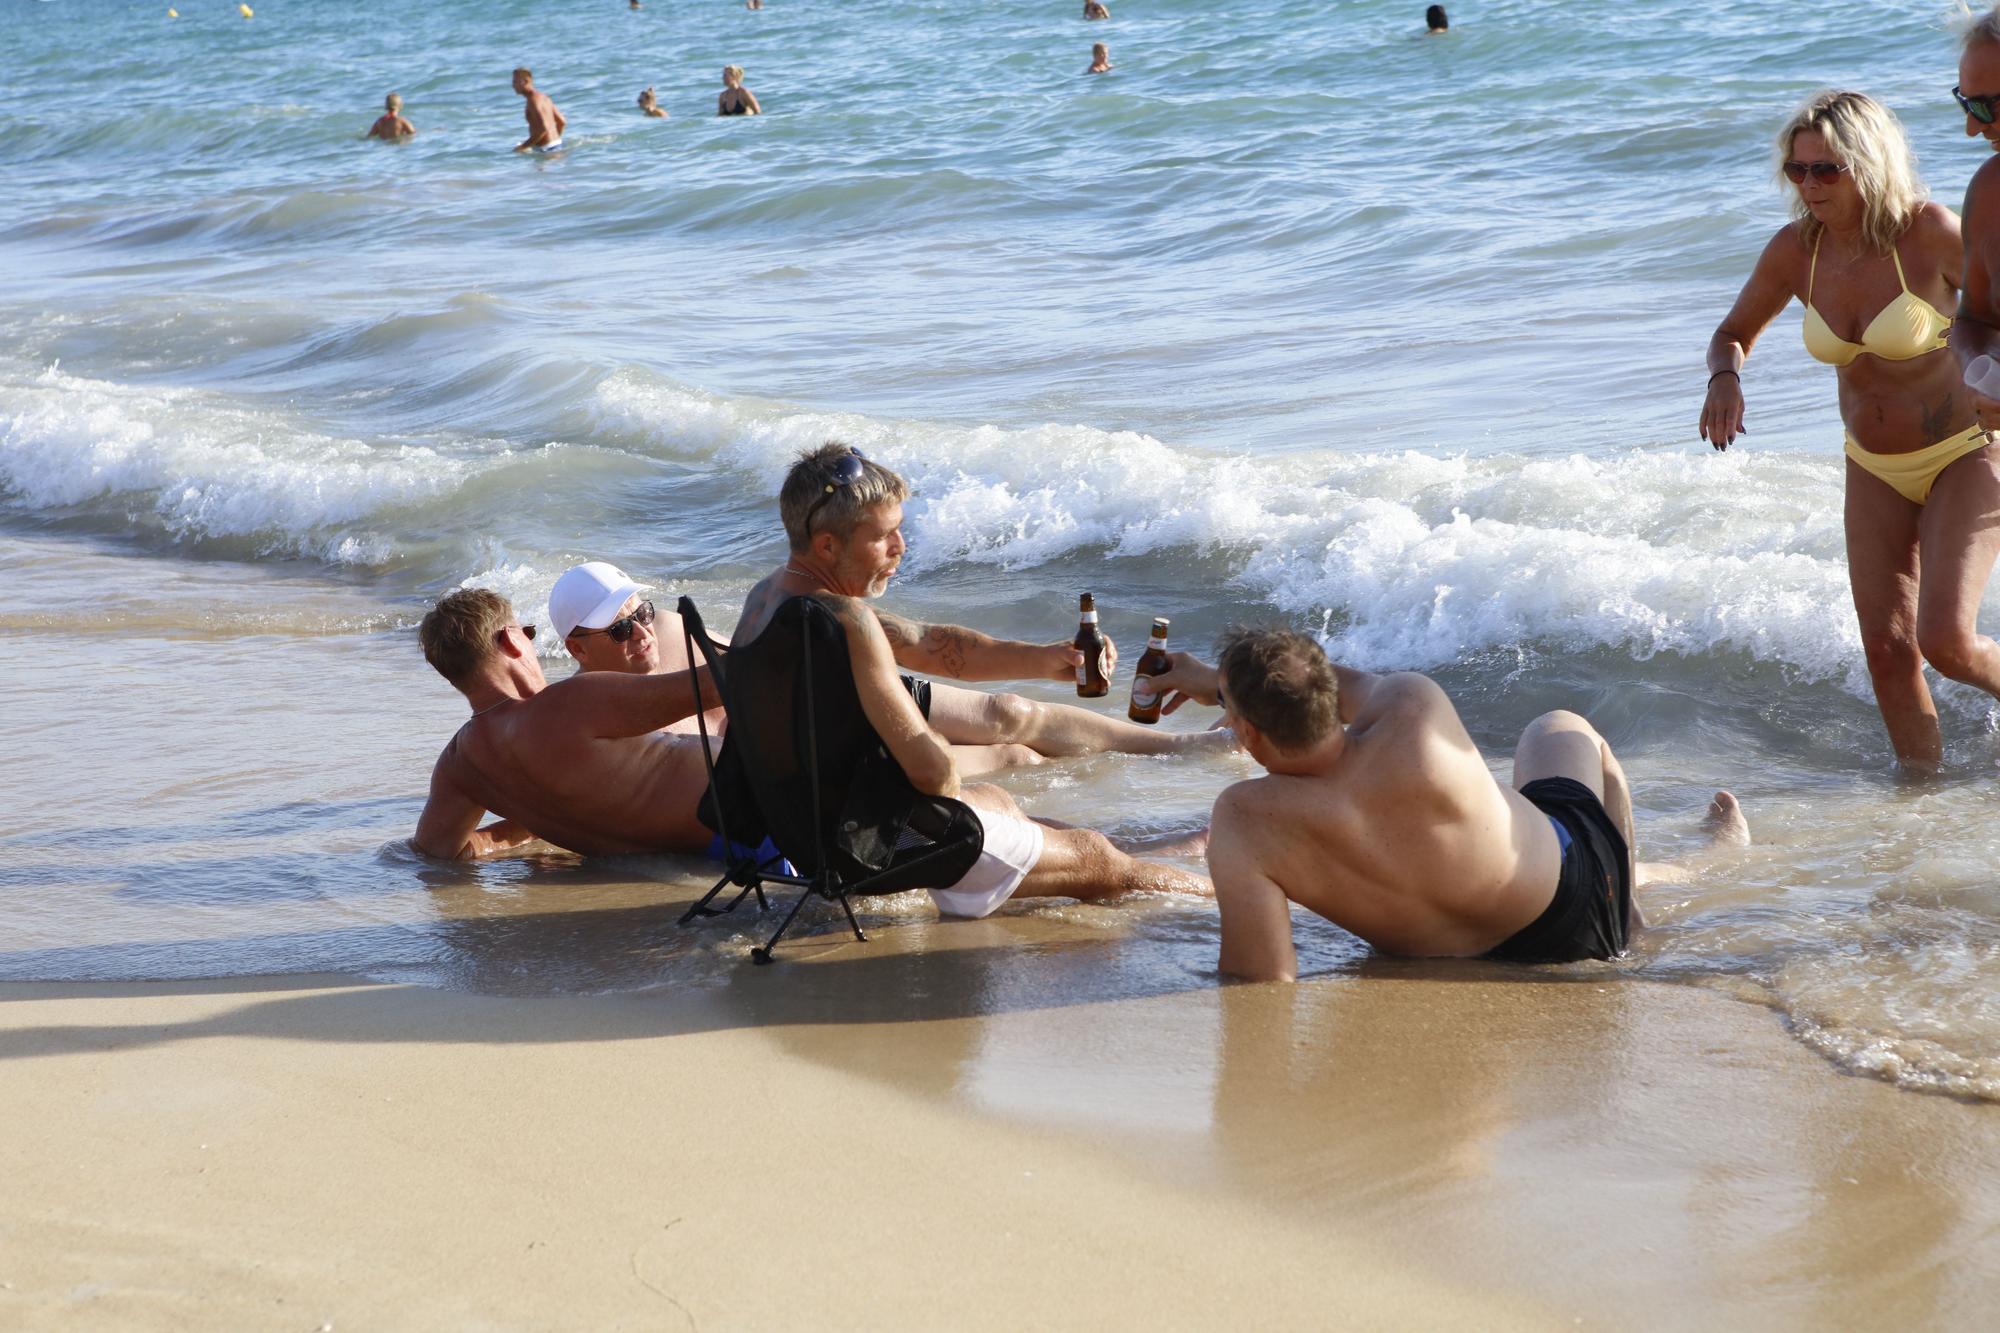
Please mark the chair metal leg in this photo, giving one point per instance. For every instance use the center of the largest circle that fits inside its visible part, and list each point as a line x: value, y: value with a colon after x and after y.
x: 763, y: 954
x: 845, y: 907
x: 702, y: 908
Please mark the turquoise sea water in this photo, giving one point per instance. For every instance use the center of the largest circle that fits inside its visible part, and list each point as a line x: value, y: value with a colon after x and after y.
x: 1299, y: 315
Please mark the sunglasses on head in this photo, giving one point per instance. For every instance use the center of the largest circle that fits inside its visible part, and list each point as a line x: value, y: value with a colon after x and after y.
x: 1823, y: 172
x: 846, y: 471
x: 1982, y: 107
x: 621, y: 629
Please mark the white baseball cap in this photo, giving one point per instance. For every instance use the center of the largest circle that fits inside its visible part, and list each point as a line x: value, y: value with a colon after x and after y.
x: 588, y: 597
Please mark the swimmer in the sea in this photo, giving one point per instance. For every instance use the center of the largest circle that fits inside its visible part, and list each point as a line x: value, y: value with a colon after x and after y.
x: 545, y: 123
x: 1094, y: 9
x: 651, y: 104
x: 1380, y: 814
x: 391, y: 124
x: 1100, y: 59
x: 1435, y: 21
x: 753, y: 4
x: 735, y: 99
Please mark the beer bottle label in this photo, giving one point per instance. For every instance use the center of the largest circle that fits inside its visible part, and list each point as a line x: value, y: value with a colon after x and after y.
x: 1142, y: 692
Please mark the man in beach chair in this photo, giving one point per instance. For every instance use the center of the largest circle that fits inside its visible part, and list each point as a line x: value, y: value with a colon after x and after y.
x: 844, y: 516
x: 815, y: 504
x: 1380, y: 814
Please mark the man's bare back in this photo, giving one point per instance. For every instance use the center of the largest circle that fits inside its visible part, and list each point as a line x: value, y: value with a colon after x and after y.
x: 591, y: 794
x: 1408, y: 842
x: 545, y: 123
x: 1381, y: 815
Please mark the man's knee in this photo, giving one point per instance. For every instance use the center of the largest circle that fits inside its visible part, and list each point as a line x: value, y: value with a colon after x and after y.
x: 1560, y: 744
x: 1079, y: 863
x: 1011, y: 717
x: 1558, y: 720
x: 1018, y: 756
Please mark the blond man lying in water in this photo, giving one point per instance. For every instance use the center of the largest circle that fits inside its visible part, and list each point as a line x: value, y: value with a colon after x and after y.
x: 1379, y: 814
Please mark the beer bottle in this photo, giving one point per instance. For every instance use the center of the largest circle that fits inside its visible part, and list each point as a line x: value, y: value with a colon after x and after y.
x: 1091, y: 680
x: 1145, y: 702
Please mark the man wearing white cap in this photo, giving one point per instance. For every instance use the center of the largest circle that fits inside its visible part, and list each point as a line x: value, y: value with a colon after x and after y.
x: 607, y: 626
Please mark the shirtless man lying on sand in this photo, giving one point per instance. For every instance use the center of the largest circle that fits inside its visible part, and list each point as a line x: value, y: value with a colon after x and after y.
x: 582, y: 763
x: 1013, y: 730
x: 844, y: 516
x: 1380, y: 815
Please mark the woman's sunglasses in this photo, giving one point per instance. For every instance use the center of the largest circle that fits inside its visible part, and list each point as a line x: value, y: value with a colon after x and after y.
x: 621, y: 629
x: 1823, y: 172
x: 1982, y: 108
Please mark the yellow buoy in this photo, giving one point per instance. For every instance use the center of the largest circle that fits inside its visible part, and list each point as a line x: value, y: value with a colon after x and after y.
x: 245, y: 11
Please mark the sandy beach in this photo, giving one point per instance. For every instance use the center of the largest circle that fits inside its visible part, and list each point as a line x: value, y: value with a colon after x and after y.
x: 982, y: 1125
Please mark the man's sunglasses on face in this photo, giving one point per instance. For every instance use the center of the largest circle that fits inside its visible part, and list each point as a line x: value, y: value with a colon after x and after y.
x: 1982, y: 107
x: 622, y: 628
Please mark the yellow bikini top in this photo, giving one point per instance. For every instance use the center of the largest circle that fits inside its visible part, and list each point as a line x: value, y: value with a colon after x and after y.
x: 1907, y: 327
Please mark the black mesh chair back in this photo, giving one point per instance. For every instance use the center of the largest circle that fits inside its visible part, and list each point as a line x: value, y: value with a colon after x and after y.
x: 801, y: 766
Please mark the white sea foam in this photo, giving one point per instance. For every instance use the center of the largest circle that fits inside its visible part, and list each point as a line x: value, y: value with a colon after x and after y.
x: 1422, y: 558
x: 204, y: 468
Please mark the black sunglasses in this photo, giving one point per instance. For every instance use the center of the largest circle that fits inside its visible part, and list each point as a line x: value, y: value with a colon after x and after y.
x: 621, y: 628
x: 1982, y: 107
x: 527, y: 632
x: 1823, y: 172
x: 846, y: 472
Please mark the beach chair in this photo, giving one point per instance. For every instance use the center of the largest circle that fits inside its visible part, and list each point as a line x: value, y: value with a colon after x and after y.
x: 801, y: 766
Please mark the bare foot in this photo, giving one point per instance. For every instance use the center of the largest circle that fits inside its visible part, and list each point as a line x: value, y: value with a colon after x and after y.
x: 1725, y: 822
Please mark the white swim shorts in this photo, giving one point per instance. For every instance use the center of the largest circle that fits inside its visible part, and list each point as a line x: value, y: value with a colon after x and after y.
x: 1013, y: 845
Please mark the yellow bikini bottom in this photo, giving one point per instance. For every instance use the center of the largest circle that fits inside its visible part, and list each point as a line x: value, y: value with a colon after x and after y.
x: 1913, y: 474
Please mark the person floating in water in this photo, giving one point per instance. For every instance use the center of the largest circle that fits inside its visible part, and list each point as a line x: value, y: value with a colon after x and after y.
x: 735, y: 99
x: 651, y: 104
x: 1380, y: 814
x: 545, y: 123
x: 1094, y: 9
x: 1100, y: 59
x: 391, y: 125
x: 1435, y: 20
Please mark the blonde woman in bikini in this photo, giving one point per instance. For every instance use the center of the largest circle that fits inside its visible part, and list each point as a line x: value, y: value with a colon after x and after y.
x: 1877, y: 268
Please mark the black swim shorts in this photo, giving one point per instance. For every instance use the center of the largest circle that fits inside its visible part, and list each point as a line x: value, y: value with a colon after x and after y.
x: 1587, y: 917
x: 920, y: 690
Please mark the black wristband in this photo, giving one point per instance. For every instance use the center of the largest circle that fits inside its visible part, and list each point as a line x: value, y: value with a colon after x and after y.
x: 1737, y: 373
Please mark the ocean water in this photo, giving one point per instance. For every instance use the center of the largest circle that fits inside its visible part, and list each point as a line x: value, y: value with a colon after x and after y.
x: 1298, y: 316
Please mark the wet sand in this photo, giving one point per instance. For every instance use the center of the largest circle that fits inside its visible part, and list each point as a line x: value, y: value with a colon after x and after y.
x: 989, y: 1124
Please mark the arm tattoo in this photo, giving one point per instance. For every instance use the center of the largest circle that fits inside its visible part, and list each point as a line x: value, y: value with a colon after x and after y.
x: 947, y: 643
x: 943, y: 647
x: 902, y: 633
